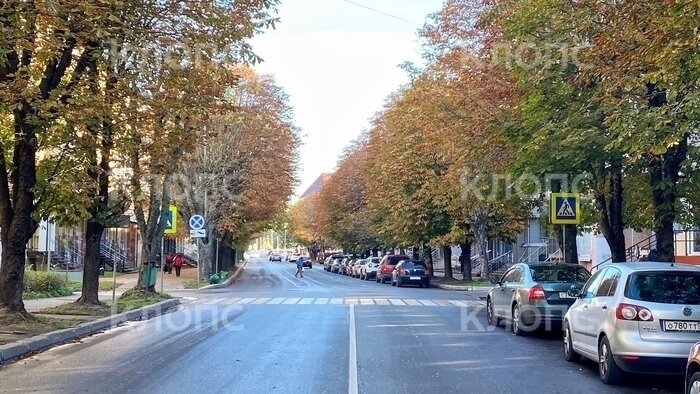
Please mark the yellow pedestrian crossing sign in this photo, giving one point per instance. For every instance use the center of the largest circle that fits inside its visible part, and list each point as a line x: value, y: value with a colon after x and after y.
x: 171, y: 220
x: 565, y: 208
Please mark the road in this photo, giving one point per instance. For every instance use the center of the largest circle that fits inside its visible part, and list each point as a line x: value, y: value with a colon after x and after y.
x: 324, y: 333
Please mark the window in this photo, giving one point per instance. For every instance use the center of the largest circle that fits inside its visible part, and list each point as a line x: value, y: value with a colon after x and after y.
x: 606, y: 285
x: 591, y: 286
x: 613, y: 287
x: 514, y: 276
x: 665, y: 287
x: 559, y: 273
x: 694, y: 239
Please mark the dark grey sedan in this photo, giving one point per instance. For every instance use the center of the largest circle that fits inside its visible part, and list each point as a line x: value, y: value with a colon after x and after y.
x: 530, y: 296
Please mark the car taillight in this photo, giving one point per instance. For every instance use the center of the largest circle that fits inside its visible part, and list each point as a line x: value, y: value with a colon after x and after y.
x: 536, y: 293
x: 631, y: 312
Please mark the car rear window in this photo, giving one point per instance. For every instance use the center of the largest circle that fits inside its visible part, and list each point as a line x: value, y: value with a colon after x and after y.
x: 664, y: 287
x: 393, y: 260
x: 559, y: 273
x: 414, y: 264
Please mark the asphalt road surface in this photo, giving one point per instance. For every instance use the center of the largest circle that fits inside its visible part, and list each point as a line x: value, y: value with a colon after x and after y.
x: 324, y: 333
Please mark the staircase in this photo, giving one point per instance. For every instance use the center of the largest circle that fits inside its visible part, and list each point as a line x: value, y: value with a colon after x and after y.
x: 110, y: 257
x: 636, y: 252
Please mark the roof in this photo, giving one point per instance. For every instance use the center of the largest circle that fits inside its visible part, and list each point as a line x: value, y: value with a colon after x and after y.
x: 652, y: 266
x: 317, y: 185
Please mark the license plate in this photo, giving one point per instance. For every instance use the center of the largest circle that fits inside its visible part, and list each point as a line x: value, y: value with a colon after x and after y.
x: 415, y: 278
x: 680, y: 325
x: 563, y: 294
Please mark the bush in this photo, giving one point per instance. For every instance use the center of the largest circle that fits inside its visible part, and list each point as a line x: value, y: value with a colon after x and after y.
x: 45, y: 285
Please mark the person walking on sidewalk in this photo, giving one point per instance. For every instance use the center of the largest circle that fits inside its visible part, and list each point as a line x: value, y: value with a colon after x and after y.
x: 178, y: 262
x: 300, y: 268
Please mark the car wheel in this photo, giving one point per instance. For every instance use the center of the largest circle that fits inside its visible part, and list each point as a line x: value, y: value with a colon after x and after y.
x: 515, y: 322
x: 490, y: 315
x: 610, y: 372
x: 569, y: 352
x: 694, y: 384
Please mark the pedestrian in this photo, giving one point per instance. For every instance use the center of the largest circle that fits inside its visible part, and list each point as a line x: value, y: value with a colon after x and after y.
x: 169, y: 263
x: 300, y: 267
x: 178, y: 262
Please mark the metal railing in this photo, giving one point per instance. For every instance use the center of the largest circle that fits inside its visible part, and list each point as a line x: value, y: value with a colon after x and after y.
x: 636, y: 252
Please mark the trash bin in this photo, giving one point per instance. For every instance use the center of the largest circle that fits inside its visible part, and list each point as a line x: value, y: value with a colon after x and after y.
x: 149, y: 274
x: 214, y: 279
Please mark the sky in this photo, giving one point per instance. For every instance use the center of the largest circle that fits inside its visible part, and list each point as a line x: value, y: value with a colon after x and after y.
x: 339, y: 61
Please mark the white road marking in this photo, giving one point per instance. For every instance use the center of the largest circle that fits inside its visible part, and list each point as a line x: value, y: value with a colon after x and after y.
x: 427, y: 303
x: 245, y: 301
x: 396, y: 302
x: 352, y: 382
x: 365, y: 301
x: 336, y: 301
x: 321, y: 301
x: 276, y: 301
x: 306, y: 301
x: 213, y: 302
x: 291, y: 301
x: 457, y: 303
x: 283, y: 276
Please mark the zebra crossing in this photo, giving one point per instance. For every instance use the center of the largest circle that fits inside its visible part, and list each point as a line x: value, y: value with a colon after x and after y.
x: 361, y: 301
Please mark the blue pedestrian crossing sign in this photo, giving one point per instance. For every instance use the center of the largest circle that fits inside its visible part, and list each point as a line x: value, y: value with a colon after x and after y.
x: 565, y: 208
x: 171, y: 220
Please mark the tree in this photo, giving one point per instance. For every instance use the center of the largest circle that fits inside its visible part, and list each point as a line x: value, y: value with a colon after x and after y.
x: 43, y: 54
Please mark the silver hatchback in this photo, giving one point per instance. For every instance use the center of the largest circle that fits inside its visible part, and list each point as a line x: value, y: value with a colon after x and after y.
x: 635, y: 317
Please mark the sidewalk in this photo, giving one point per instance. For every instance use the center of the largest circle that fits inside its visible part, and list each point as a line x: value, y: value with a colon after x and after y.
x: 125, y: 282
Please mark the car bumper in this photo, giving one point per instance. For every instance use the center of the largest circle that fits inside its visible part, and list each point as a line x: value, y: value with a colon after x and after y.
x: 408, y: 280
x: 652, y: 365
x: 628, y: 342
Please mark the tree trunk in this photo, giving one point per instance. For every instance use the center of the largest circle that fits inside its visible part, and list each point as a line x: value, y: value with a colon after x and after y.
x: 447, y: 258
x: 465, y: 259
x: 480, y: 232
x: 12, y: 272
x: 428, y: 258
x: 16, y: 208
x: 91, y: 269
x: 609, y: 204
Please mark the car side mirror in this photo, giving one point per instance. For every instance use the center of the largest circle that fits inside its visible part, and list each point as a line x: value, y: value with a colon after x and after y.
x: 574, y: 292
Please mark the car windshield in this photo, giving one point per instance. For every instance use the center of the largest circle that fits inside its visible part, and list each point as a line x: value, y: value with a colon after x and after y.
x: 559, y: 273
x: 664, y: 287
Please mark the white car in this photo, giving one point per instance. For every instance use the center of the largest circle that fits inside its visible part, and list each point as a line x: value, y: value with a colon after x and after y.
x: 369, y: 269
x: 635, y: 317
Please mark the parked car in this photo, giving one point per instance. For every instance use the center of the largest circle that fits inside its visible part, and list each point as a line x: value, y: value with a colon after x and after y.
x: 530, y: 296
x: 275, y: 257
x: 344, y: 265
x: 692, y: 371
x: 369, y: 269
x: 358, y: 267
x: 635, y: 317
x: 412, y: 272
x: 335, y: 267
x: 350, y: 269
x: 386, y: 266
x: 329, y: 261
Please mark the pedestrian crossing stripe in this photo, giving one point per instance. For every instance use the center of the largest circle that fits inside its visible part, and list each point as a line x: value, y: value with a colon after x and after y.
x: 340, y: 301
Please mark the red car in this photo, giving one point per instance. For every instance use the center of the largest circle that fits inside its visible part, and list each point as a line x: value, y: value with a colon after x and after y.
x: 386, y: 266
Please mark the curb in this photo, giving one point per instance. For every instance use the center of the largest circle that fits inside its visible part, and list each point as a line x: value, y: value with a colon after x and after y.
x: 228, y: 281
x: 460, y: 288
x: 43, y: 342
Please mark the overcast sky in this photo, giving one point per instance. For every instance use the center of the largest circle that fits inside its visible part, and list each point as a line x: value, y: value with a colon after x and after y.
x: 338, y: 61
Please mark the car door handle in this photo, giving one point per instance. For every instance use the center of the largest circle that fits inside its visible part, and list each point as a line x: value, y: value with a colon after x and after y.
x: 585, y: 307
x: 604, y: 307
